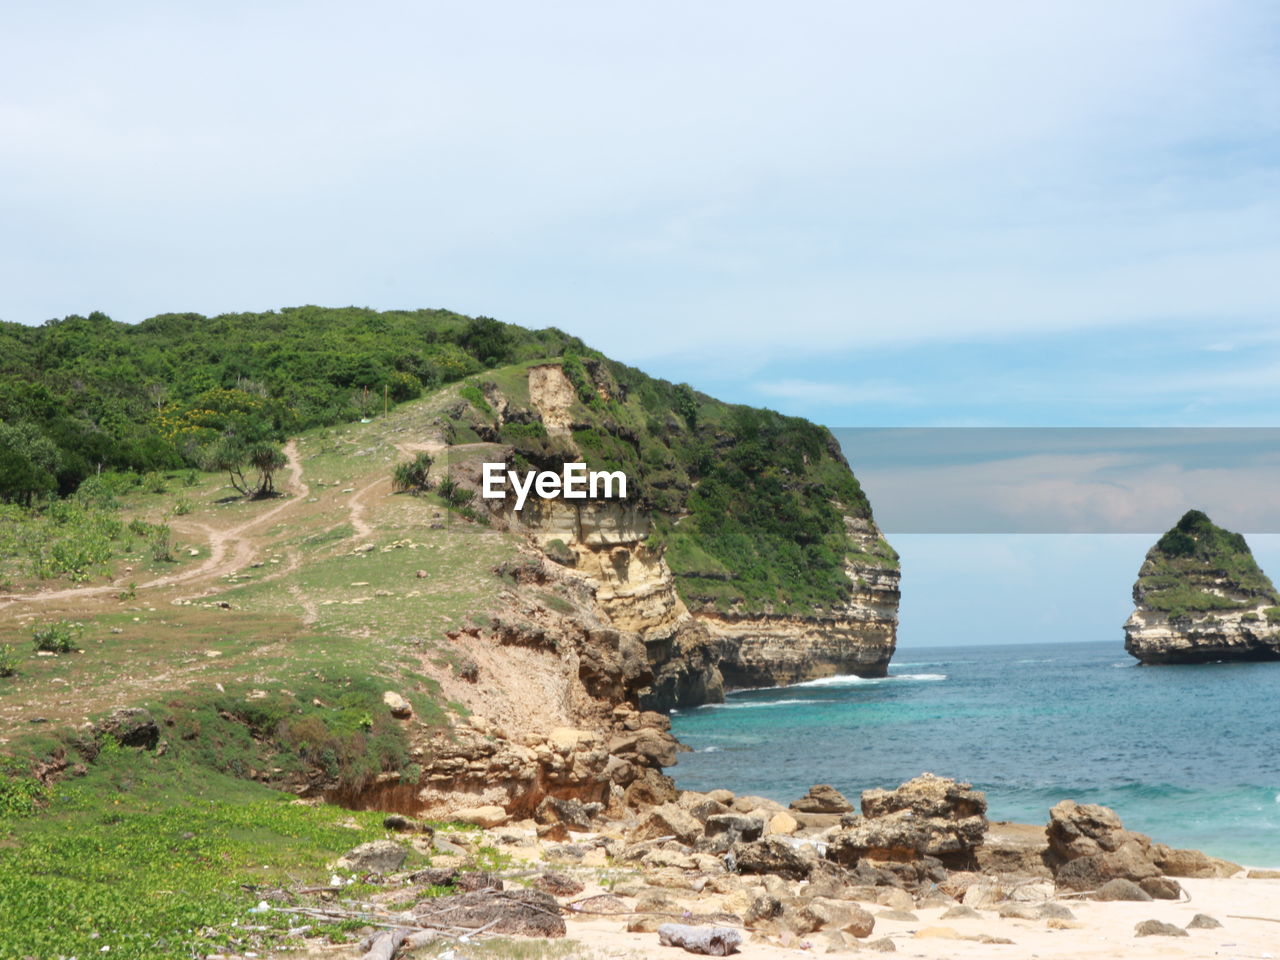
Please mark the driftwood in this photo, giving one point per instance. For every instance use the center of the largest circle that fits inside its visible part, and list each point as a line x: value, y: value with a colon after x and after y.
x: 710, y: 941
x: 386, y: 944
x: 529, y: 913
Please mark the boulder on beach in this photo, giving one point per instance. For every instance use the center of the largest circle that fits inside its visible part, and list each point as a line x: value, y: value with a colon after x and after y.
x: 822, y: 798
x: 929, y: 816
x: 1088, y: 846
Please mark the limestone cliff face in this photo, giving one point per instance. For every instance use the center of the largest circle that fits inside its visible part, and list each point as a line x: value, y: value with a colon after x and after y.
x: 765, y: 650
x: 634, y: 590
x: 1201, y: 598
x: 1153, y: 638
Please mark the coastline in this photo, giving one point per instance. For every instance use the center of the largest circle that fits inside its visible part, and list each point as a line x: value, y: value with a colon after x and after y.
x: 615, y: 884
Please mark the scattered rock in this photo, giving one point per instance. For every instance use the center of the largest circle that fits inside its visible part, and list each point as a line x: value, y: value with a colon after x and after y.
x: 771, y: 855
x: 1158, y: 928
x: 571, y: 813
x: 764, y: 907
x: 1054, y: 911
x: 928, y: 816
x: 1202, y: 921
x: 474, y: 880
x: 883, y: 945
x: 602, y: 904
x: 710, y: 941
x: 749, y: 804
x: 489, y: 815
x: 557, y: 884
x: 822, y: 798
x: 735, y: 826
x: 400, y: 707
x: 895, y: 899
x: 1088, y: 846
x: 1161, y: 888
x: 435, y: 877
x: 961, y: 912
x: 842, y: 915
x: 668, y: 820
x: 378, y: 856
x: 1018, y: 911
x: 526, y: 913
x: 1263, y: 874
x: 781, y: 823
x: 1121, y: 889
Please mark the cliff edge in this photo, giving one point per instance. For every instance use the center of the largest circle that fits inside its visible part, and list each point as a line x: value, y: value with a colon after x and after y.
x: 1200, y: 597
x: 745, y: 554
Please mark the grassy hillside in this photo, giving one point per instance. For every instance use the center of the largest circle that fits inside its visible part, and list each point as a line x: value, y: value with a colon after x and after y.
x: 262, y: 648
x: 748, y: 502
x: 83, y: 394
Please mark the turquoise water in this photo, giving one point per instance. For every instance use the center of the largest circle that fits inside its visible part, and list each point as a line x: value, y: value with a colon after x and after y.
x: 1189, y: 755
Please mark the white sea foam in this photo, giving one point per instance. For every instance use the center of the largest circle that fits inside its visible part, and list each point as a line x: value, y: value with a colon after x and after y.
x: 751, y: 704
x: 852, y: 680
x: 709, y: 750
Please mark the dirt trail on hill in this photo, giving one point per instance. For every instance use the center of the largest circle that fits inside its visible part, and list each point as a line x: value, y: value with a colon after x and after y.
x: 357, y: 505
x: 229, y: 549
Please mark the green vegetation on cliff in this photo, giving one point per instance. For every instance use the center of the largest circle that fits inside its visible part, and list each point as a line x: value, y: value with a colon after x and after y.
x: 749, y: 503
x: 1198, y: 567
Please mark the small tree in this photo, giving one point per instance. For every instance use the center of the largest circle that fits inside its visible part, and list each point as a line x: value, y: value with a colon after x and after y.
x: 232, y: 454
x: 227, y: 453
x: 266, y: 458
x: 412, y: 475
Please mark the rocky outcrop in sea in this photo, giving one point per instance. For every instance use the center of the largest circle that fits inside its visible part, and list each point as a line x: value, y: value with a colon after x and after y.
x: 1200, y: 597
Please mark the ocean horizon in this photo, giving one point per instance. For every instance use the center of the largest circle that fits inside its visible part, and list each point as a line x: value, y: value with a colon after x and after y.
x: 1186, y: 754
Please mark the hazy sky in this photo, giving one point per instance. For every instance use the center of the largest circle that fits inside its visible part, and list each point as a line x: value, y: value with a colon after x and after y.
x: 871, y: 214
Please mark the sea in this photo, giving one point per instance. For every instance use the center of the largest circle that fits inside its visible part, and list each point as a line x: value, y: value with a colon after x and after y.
x: 1187, y: 754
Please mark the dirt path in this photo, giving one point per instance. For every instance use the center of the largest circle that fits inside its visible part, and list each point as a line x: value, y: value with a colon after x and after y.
x: 357, y: 505
x: 229, y: 549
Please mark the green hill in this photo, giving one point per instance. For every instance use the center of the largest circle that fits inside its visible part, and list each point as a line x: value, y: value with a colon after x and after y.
x: 748, y: 503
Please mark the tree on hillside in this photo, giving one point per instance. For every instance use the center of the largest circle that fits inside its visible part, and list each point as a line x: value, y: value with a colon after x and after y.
x: 233, y: 455
x: 266, y: 458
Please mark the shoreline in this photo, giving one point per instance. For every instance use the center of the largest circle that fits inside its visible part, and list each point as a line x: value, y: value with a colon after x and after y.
x: 616, y: 882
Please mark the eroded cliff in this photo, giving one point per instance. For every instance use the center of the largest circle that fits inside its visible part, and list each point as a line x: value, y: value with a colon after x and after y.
x: 805, y: 588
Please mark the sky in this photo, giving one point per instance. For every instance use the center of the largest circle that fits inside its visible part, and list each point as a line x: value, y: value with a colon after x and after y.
x: 995, y: 213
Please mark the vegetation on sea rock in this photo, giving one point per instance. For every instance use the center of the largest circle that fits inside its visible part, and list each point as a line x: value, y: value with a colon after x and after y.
x: 1198, y: 567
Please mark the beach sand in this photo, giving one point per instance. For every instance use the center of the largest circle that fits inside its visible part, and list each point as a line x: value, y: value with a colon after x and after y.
x: 1100, y: 930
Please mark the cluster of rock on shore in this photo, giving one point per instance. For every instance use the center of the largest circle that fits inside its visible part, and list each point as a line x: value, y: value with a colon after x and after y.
x: 733, y: 869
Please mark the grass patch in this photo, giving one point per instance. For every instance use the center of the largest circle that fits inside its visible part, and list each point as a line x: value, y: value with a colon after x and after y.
x: 155, y: 857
